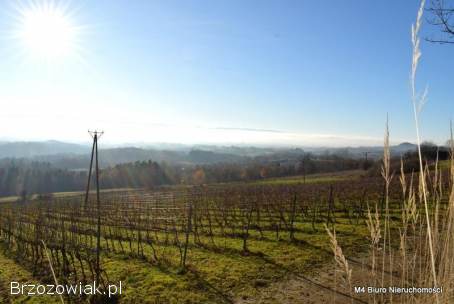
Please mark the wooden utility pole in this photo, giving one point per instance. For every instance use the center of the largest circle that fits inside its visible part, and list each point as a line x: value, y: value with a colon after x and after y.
x: 366, y: 159
x: 89, y: 171
x: 94, y: 151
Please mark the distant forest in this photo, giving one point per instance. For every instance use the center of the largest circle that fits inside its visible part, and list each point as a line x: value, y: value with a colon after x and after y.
x: 22, y: 177
x: 25, y: 176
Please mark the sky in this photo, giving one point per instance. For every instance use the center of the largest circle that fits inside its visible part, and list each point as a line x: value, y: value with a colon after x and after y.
x: 290, y: 72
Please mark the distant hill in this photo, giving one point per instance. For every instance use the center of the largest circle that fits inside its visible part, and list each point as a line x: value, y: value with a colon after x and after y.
x: 114, y: 156
x: 403, y: 147
x: 210, y: 157
x: 373, y: 152
x: 77, y: 157
x: 111, y: 157
x: 31, y: 149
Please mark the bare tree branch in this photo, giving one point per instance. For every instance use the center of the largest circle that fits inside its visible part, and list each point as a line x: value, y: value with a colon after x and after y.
x: 442, y: 17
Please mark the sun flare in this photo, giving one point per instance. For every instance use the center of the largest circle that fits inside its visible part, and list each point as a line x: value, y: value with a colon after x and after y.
x: 47, y: 31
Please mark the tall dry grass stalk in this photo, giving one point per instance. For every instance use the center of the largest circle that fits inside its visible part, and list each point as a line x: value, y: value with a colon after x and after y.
x: 418, y: 101
x: 52, y: 269
x: 406, y: 216
x: 387, y: 176
x: 340, y: 259
x: 373, y: 225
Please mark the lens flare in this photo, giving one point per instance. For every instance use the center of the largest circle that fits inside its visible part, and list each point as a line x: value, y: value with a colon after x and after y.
x: 46, y: 30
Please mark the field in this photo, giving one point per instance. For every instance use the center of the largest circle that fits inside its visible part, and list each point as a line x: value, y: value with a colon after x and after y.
x: 206, y: 244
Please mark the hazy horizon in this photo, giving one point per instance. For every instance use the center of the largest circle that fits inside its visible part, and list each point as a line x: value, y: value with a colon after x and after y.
x: 175, y: 145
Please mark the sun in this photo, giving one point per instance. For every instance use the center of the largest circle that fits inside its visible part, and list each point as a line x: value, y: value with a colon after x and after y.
x: 46, y: 30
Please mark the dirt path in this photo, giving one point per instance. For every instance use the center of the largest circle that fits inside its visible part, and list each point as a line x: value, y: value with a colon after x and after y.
x: 320, y: 287
x: 324, y: 286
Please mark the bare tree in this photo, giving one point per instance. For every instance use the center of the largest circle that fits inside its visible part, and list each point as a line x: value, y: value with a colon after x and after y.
x: 441, y: 13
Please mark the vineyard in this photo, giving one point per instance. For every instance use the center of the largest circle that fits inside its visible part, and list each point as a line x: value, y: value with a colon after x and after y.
x: 213, y: 244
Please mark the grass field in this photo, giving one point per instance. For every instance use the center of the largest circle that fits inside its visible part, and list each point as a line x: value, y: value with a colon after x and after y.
x: 226, y: 274
x: 310, y: 179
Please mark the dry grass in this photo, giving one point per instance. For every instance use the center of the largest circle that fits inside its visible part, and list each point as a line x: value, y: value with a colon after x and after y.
x: 425, y: 230
x: 418, y: 101
x: 339, y: 257
x: 52, y: 269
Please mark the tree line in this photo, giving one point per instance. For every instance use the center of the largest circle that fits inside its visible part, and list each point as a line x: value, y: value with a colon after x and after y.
x: 22, y: 177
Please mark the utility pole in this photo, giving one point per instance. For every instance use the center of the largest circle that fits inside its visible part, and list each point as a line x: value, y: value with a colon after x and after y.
x: 94, y: 151
x: 366, y: 159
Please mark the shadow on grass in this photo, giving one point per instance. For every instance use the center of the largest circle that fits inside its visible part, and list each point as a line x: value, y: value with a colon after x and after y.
x: 236, y: 253
x: 207, y: 285
x: 192, y: 275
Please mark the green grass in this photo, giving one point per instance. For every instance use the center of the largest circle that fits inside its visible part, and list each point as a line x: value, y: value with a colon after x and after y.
x: 445, y: 164
x: 8, y: 199
x: 11, y: 271
x: 224, y: 273
x: 309, y: 179
x: 13, y: 198
x: 297, y: 180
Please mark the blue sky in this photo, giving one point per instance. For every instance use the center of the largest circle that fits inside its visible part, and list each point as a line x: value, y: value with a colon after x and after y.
x: 260, y: 72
